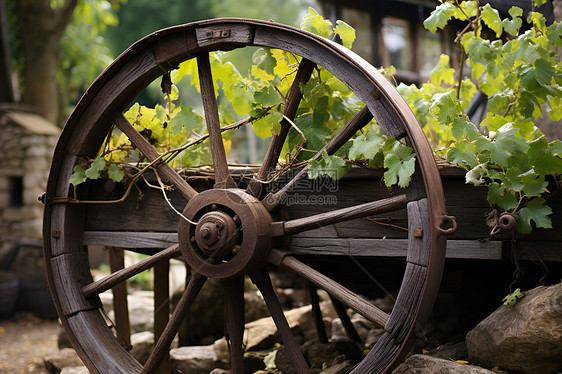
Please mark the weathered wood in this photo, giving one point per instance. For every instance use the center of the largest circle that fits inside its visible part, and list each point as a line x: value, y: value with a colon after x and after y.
x: 262, y: 280
x: 172, y: 50
x: 91, y: 333
x: 466, y: 249
x: 234, y: 295
x: 70, y: 273
x: 117, y: 276
x: 405, y: 309
x: 344, y: 295
x: 120, y: 302
x: 224, y: 35
x: 271, y: 158
x: 223, y: 179
x: 418, y: 232
x: 162, y: 346
x: 131, y: 240
x: 345, y: 214
x: 152, y: 155
x: 162, y: 308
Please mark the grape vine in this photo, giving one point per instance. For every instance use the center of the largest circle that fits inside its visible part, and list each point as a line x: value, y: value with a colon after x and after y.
x: 512, y: 61
x: 519, y: 72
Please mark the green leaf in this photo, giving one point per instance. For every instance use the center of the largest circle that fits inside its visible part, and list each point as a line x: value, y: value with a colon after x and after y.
x: 462, y: 127
x: 267, y: 96
x: 400, y: 166
x: 265, y: 126
x: 555, y: 112
x: 480, y: 50
x: 333, y: 166
x: 544, y: 71
x: 443, y: 72
x: 512, y: 26
x: 115, y: 173
x: 95, y: 168
x: 346, y: 33
x: 264, y: 60
x: 536, y: 211
x: 501, y: 196
x: 186, y: 118
x: 534, y: 184
x: 243, y: 98
x: 512, y: 298
x: 462, y: 154
x: 366, y: 146
x: 476, y: 175
x: 491, y: 18
x: 439, y: 18
x: 78, y: 176
x: 445, y: 107
x: 315, y: 23
x: 545, y: 157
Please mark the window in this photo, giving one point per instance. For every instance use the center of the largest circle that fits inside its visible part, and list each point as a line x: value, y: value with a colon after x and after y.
x: 397, y: 40
x: 361, y: 22
x: 16, y: 191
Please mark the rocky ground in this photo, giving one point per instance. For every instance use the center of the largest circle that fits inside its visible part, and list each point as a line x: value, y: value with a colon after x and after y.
x: 522, y: 339
x: 24, y: 341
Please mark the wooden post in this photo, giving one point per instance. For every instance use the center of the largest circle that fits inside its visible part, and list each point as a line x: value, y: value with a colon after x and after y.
x: 162, y: 307
x: 120, y: 303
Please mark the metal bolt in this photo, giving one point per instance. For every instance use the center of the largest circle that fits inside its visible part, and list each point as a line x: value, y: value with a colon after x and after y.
x: 205, y: 232
x: 56, y: 234
x: 236, y: 219
x: 418, y: 233
x: 214, y: 207
x: 235, y: 249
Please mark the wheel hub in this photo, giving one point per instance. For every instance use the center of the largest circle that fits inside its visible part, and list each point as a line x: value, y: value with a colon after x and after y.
x: 216, y: 234
x: 231, y: 235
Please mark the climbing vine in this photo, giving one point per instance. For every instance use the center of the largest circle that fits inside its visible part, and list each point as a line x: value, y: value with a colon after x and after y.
x: 512, y: 61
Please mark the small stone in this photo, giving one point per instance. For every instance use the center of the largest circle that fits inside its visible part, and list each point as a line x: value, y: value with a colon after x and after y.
x: 193, y: 360
x: 424, y: 364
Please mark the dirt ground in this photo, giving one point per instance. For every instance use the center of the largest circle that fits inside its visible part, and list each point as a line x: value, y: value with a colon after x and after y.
x: 24, y: 341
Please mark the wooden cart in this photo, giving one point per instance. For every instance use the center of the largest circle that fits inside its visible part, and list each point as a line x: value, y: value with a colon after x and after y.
x: 231, y: 230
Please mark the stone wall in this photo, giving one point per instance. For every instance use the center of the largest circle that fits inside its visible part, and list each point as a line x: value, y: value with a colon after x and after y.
x: 25, y: 159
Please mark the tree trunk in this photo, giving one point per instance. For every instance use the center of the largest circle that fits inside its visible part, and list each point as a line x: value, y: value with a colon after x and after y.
x: 41, y: 30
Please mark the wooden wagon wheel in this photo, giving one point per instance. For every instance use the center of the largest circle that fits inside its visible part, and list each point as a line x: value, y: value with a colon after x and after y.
x: 223, y: 211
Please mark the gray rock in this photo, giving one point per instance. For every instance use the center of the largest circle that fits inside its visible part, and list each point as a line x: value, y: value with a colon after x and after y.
x: 424, y: 364
x: 525, y: 337
x: 340, y: 368
x: 75, y: 370
x: 66, y: 357
x: 219, y: 371
x: 450, y: 351
x: 193, y: 360
x: 142, y: 343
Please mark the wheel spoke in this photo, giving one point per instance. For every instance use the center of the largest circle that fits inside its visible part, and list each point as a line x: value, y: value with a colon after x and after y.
x: 154, y: 157
x: 272, y: 156
x: 234, y: 291
x: 341, y: 293
x: 360, y: 120
x: 223, y: 178
x: 115, y: 278
x: 262, y: 280
x: 345, y: 320
x: 323, y: 219
x: 317, y: 313
x: 162, y: 346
